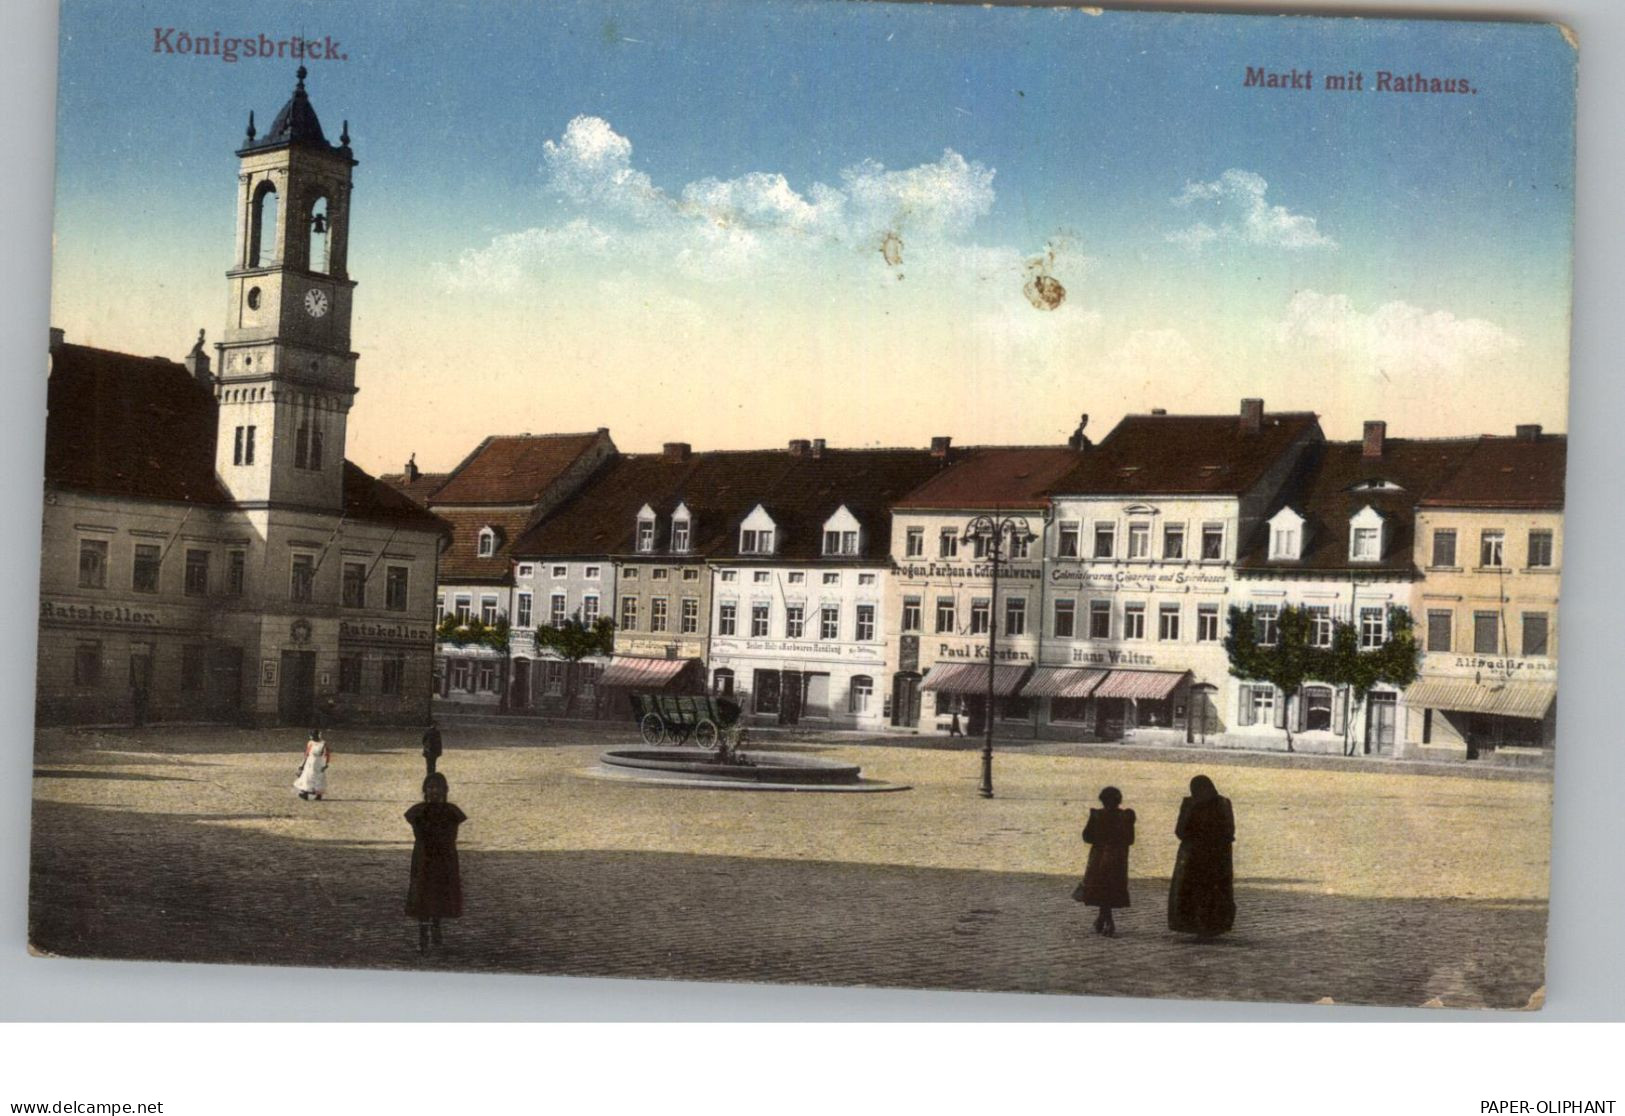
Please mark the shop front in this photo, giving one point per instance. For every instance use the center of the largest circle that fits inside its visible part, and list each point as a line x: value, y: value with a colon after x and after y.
x: 1490, y: 719
x: 961, y: 693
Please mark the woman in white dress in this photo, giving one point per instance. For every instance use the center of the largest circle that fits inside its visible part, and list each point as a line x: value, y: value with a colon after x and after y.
x: 312, y: 780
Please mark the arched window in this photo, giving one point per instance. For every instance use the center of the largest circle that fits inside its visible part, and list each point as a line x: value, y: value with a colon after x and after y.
x: 320, y: 239
x: 861, y: 695
x: 262, y: 234
x: 488, y: 542
x: 722, y: 682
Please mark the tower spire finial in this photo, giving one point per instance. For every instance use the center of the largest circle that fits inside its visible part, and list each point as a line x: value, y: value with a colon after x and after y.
x: 251, y: 125
x: 302, y: 74
x: 344, y: 135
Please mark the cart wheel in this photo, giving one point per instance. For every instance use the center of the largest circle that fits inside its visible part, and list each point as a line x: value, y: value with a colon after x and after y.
x: 706, y: 735
x: 653, y: 728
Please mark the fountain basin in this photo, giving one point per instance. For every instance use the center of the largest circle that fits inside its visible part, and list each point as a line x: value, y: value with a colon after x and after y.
x: 761, y: 767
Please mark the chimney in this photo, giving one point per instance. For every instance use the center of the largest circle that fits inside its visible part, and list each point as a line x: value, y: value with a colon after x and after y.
x: 1159, y: 410
x: 58, y: 338
x: 1376, y: 437
x: 411, y: 472
x: 1529, y: 433
x: 1079, y: 439
x: 940, y: 444
x: 197, y: 363
x: 676, y: 451
x: 818, y: 447
x: 1252, y: 416
x: 800, y: 447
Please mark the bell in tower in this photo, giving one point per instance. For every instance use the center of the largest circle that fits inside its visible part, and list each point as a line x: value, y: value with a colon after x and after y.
x: 286, y: 372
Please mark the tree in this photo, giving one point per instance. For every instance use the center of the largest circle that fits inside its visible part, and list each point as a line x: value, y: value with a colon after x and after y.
x: 1293, y: 658
x: 1285, y: 663
x: 573, y: 641
x: 476, y: 632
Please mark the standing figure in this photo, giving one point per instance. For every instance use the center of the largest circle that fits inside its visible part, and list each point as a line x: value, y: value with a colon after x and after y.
x: 1109, y: 833
x: 436, y: 890
x: 953, y: 726
x: 431, y: 746
x: 312, y: 780
x: 1201, y: 896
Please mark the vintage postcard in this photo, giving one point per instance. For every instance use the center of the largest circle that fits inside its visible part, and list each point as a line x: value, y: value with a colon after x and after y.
x: 1023, y: 499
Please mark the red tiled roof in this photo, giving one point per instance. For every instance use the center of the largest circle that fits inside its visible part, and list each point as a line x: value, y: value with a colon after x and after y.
x: 1167, y: 455
x: 125, y: 425
x: 366, y: 497
x: 513, y: 469
x: 1335, y: 480
x: 419, y: 489
x: 1507, y: 473
x: 996, y: 477
x: 461, y: 560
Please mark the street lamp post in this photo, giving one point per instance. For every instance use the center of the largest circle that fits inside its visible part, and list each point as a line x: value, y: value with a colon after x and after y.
x: 992, y: 530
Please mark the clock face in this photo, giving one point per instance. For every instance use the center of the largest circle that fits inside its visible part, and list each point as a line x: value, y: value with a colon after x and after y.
x: 315, y: 303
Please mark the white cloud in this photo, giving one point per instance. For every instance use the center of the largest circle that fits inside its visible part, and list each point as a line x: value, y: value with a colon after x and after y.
x: 1395, y: 342
x: 880, y: 224
x: 1241, y: 214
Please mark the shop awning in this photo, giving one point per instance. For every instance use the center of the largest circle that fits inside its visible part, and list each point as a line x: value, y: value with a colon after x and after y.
x: 1463, y: 695
x: 641, y: 674
x: 1062, y: 682
x: 971, y: 678
x: 1141, y: 685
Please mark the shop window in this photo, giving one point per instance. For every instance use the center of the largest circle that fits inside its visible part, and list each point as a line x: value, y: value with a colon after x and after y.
x: 766, y: 692
x: 1069, y: 710
x: 1015, y: 708
x: 722, y: 682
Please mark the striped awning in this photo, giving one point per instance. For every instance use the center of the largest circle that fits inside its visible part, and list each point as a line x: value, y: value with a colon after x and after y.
x: 1463, y: 695
x: 636, y: 673
x: 1141, y: 685
x: 971, y: 678
x: 1062, y: 682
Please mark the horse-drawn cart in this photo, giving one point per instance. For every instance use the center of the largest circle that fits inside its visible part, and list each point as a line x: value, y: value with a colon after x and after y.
x: 675, y: 718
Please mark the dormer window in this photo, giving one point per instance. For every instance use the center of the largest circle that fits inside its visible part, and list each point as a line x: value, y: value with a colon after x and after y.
x: 756, y: 534
x: 646, y: 529
x: 681, y: 521
x: 488, y: 542
x: 842, y: 534
x: 1286, y: 536
x: 1366, y: 536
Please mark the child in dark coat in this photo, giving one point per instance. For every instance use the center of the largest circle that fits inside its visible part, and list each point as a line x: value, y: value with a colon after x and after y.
x: 1109, y: 833
x: 436, y: 889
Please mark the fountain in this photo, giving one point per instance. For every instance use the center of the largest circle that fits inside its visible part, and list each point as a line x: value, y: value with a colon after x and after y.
x: 730, y: 765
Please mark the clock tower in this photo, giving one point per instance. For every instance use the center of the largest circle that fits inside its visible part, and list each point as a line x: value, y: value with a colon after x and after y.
x: 286, y: 372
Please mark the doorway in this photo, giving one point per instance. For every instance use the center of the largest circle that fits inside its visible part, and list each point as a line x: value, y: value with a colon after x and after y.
x: 296, y: 699
x: 1383, y: 713
x: 791, y: 698
x: 905, y: 700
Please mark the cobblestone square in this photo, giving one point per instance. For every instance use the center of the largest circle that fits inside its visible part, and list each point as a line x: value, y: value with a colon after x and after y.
x: 1362, y: 883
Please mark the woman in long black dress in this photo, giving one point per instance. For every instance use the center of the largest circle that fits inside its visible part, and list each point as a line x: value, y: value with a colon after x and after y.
x: 436, y: 890
x: 1109, y: 833
x: 1202, y: 897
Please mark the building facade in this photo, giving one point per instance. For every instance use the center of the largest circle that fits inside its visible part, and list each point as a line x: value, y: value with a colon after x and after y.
x: 207, y: 551
x: 1490, y: 542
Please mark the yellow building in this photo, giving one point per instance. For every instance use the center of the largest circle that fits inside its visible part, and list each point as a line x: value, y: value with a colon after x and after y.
x: 1490, y: 544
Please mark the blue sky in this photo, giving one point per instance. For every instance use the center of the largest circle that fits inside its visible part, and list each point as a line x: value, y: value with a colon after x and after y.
x: 686, y: 202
